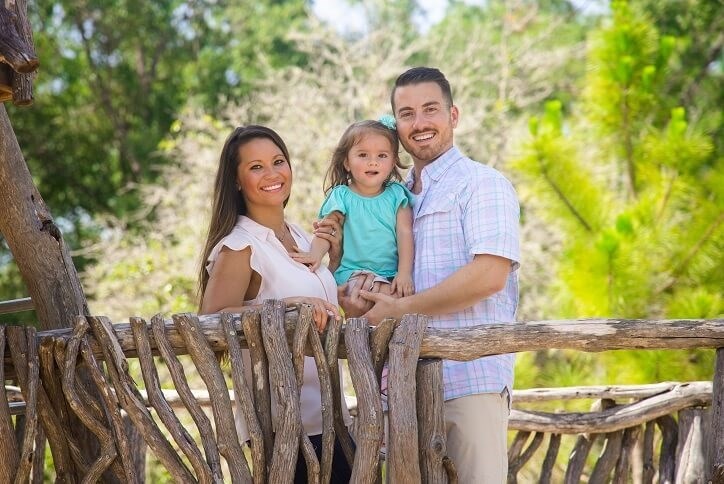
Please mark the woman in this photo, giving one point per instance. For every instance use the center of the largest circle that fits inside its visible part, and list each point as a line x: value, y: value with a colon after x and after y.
x: 247, y: 257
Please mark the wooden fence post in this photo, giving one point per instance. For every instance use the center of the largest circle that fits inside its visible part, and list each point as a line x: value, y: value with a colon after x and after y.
x: 430, y: 421
x: 717, y: 414
x: 403, y: 463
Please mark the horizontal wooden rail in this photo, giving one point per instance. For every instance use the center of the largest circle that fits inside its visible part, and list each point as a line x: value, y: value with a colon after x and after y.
x: 16, y: 305
x: 590, y: 335
x: 617, y: 418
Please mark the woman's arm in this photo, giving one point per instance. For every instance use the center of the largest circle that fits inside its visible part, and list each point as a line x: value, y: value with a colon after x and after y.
x: 228, y: 282
x: 403, y: 284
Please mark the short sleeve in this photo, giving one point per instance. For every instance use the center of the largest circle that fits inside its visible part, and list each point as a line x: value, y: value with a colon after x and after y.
x: 236, y: 240
x: 336, y: 201
x: 491, y: 219
x: 401, y: 196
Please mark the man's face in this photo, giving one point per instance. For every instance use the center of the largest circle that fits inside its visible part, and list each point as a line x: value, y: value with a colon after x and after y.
x: 425, y: 121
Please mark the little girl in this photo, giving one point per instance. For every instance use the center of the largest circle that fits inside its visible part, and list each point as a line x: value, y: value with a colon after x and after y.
x: 378, y: 215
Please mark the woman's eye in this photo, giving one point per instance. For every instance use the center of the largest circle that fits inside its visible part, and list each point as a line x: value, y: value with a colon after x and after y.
x: 279, y: 161
x: 254, y: 167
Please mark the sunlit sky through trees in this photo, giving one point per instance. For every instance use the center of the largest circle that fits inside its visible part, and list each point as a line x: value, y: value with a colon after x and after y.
x: 349, y: 17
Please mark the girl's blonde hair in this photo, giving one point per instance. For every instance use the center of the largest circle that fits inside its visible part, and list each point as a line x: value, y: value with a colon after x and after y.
x: 337, y: 174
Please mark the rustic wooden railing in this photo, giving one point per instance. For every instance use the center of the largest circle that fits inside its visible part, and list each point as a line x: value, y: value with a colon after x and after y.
x: 677, y: 427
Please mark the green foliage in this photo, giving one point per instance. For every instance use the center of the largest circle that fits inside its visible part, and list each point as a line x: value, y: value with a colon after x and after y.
x: 630, y: 183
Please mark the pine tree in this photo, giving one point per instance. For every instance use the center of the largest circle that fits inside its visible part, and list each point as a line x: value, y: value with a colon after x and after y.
x: 636, y: 191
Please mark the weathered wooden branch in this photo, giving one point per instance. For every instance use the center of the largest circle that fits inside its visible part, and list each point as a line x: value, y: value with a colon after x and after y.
x: 430, y: 421
x: 6, y: 90
x: 300, y: 340
x: 8, y: 445
x: 245, y: 401
x: 549, y: 461
x: 717, y: 433
x: 623, y: 466
x: 188, y: 398
x: 331, y: 347
x: 23, y: 81
x: 478, y: 341
x: 613, y: 419
x: 284, y: 386
x: 132, y: 403
x: 370, y: 426
x: 120, y: 437
x: 403, y: 463
x: 108, y: 452
x: 251, y: 323
x: 667, y: 454
x: 691, y: 450
x: 26, y: 455
x: 59, y: 444
x: 164, y: 411
x: 615, y: 392
x: 325, y: 382
x: 577, y: 459
x: 210, y: 372
x: 14, y: 48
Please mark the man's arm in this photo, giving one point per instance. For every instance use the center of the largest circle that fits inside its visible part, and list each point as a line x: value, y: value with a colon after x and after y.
x: 479, y: 279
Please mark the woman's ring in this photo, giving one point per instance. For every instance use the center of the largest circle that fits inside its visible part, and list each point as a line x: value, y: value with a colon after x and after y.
x: 334, y: 232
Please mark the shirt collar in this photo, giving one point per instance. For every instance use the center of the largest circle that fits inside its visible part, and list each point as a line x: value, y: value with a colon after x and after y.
x: 437, y: 168
x: 254, y: 228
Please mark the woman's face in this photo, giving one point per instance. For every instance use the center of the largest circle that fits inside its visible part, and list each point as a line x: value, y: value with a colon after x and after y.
x: 263, y: 175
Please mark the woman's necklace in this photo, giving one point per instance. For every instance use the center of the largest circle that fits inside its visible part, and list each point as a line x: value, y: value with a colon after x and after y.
x: 284, y: 234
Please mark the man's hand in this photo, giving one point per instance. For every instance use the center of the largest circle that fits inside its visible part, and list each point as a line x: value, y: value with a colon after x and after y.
x: 330, y: 229
x: 349, y: 294
x: 385, y: 306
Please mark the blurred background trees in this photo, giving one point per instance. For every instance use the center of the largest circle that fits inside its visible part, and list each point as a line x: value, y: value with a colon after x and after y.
x: 607, y: 117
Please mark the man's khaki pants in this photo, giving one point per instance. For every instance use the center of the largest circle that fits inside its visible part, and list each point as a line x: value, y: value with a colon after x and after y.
x: 477, y: 428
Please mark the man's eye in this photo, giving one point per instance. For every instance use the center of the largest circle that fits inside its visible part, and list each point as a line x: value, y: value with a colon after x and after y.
x: 406, y: 114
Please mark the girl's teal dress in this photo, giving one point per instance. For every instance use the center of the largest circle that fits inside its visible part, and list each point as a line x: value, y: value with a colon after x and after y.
x: 370, y: 236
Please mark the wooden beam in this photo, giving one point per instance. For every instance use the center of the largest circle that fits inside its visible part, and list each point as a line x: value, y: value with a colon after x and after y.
x: 14, y: 48
x: 478, y: 341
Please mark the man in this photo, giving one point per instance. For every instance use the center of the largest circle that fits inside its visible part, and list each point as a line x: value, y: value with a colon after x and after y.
x: 466, y: 217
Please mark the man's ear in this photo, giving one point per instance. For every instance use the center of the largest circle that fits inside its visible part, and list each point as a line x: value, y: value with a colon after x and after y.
x: 454, y: 114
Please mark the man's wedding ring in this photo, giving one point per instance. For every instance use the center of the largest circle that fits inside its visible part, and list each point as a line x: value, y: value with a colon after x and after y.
x: 334, y: 232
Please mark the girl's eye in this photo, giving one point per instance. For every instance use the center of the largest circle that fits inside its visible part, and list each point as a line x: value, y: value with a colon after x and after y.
x: 362, y: 155
x: 383, y: 155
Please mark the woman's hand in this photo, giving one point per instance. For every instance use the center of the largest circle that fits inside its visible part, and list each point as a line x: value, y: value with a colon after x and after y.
x: 402, y: 285
x: 321, y: 309
x: 330, y: 229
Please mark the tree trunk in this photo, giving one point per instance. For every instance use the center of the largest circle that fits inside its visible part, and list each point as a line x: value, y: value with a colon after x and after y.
x: 35, y: 240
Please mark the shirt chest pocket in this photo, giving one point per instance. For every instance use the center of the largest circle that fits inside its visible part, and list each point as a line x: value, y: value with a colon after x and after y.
x: 438, y: 231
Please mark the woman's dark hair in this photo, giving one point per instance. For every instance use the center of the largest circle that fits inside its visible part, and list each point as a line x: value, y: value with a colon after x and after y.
x: 228, y: 201
x: 337, y: 174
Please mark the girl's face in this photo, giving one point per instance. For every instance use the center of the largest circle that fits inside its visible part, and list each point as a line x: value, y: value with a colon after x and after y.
x: 370, y: 163
x: 263, y: 175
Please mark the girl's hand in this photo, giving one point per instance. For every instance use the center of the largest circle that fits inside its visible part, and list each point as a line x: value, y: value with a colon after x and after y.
x: 321, y: 309
x: 330, y: 229
x: 402, y: 285
x: 306, y: 258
